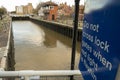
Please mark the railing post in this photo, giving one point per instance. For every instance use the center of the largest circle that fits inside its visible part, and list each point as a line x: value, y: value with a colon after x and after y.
x: 75, y: 28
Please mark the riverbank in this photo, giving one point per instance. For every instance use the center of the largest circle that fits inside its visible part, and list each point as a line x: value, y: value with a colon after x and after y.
x: 4, y: 29
x: 7, y: 61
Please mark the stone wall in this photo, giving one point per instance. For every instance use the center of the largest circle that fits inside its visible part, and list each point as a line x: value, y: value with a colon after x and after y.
x: 7, y: 58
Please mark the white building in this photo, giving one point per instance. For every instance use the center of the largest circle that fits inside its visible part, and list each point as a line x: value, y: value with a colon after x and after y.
x: 40, y: 12
x: 19, y: 10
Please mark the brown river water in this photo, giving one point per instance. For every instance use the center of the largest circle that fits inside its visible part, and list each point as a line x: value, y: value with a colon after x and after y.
x: 38, y: 48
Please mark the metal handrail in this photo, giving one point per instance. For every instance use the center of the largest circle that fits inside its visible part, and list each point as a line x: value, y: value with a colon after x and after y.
x: 39, y: 73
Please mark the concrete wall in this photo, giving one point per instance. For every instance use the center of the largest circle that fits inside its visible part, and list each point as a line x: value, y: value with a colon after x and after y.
x: 60, y: 28
x: 20, y: 18
x: 8, y: 59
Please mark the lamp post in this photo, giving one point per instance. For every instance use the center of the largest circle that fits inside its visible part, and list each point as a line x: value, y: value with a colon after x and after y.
x: 75, y: 28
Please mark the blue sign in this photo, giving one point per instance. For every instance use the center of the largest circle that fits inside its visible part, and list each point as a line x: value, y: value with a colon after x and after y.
x: 100, y: 52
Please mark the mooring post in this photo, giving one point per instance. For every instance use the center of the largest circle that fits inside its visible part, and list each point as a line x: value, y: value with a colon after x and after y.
x: 74, y: 39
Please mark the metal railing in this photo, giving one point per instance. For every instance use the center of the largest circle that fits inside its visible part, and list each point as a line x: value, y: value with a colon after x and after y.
x: 41, y: 75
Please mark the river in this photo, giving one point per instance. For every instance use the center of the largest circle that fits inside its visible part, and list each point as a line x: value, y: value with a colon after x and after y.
x: 38, y: 48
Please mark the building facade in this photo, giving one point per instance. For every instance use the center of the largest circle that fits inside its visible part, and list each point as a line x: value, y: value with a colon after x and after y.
x: 48, y: 10
x: 24, y: 9
x: 19, y: 9
x: 65, y: 10
x: 30, y: 8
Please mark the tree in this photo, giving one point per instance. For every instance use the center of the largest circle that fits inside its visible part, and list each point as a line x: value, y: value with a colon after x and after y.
x: 3, y: 11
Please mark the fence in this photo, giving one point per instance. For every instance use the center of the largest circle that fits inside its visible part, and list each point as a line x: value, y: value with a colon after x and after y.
x: 70, y: 22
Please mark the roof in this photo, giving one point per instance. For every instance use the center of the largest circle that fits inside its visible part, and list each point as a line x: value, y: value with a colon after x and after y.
x: 49, y: 3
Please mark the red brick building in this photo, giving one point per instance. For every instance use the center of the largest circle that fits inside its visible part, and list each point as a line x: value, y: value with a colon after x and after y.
x: 49, y: 9
x: 65, y: 10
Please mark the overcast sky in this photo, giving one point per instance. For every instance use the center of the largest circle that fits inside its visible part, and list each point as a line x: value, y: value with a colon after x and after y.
x: 10, y: 4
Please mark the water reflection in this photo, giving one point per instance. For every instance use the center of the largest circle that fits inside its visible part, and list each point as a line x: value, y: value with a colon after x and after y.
x: 52, y: 39
x: 39, y: 48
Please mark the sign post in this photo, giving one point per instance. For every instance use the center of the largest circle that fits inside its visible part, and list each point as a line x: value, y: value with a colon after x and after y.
x: 100, y: 52
x: 75, y: 28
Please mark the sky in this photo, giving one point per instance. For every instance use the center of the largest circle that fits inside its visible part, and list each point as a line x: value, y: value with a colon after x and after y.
x: 10, y: 4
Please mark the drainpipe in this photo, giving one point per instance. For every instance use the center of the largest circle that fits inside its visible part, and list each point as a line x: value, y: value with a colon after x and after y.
x: 74, y: 39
